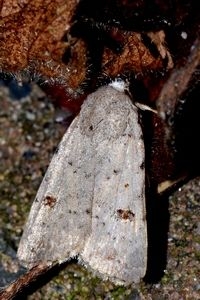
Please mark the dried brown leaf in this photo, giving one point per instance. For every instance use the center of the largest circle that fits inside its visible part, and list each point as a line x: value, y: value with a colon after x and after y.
x: 135, y: 56
x: 31, y: 41
x: 30, y: 37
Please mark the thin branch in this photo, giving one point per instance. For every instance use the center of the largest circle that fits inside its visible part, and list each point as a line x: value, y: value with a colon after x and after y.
x: 16, y: 287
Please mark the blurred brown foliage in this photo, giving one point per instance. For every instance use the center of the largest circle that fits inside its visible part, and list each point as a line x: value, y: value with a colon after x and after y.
x: 36, y: 35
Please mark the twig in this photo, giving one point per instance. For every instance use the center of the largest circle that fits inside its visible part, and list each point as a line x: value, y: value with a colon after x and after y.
x: 16, y: 287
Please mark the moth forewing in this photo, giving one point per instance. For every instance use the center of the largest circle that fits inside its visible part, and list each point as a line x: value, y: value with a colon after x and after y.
x: 117, y: 246
x: 91, y: 201
x: 57, y: 229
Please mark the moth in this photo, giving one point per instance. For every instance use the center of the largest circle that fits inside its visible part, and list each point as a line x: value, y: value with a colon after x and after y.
x: 91, y: 202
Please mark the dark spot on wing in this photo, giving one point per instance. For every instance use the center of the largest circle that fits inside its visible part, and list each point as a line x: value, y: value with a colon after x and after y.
x: 70, y: 163
x: 91, y: 127
x: 57, y: 149
x: 115, y: 171
x: 97, y: 217
x: 125, y: 214
x: 88, y: 175
x: 88, y: 211
x: 49, y: 200
x: 110, y: 256
x: 72, y: 212
x: 126, y: 185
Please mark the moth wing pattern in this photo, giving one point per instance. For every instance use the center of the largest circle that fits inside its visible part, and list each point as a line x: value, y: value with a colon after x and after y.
x: 60, y: 216
x: 91, y: 201
x: 117, y: 246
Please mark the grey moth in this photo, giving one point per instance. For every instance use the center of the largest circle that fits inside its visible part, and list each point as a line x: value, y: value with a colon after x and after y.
x: 91, y: 202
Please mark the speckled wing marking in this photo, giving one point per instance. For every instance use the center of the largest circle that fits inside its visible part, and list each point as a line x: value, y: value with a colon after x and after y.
x: 60, y: 218
x: 91, y: 202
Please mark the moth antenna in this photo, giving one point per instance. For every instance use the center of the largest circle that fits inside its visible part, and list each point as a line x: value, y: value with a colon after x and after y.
x: 145, y: 107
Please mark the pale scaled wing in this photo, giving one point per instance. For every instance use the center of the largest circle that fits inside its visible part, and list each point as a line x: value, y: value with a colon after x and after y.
x: 92, y: 199
x: 117, y: 246
x: 60, y: 218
